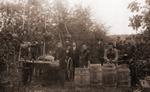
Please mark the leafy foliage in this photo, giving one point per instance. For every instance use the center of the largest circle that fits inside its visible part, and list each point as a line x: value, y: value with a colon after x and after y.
x: 140, y: 21
x: 42, y: 21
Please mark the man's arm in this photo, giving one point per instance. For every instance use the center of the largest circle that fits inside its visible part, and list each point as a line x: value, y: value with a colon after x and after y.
x: 116, y: 55
x: 105, y: 55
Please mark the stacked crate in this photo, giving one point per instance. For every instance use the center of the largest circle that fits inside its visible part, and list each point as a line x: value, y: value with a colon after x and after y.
x: 123, y: 76
x: 96, y: 74
x: 109, y: 75
x: 82, y: 77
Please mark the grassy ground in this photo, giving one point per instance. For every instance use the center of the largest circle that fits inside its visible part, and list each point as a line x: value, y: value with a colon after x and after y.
x: 69, y: 87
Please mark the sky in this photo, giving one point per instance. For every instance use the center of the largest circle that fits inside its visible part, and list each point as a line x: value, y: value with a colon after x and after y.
x: 113, y: 13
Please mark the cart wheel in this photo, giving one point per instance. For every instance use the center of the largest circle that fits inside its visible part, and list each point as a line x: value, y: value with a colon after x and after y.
x: 70, y: 69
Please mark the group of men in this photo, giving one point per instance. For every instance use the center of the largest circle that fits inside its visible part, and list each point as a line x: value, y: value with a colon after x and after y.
x: 126, y: 51
x: 84, y: 55
x: 118, y: 52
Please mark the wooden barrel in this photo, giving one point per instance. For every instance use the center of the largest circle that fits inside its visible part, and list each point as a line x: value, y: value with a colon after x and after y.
x: 82, y: 77
x: 123, y: 76
x: 109, y: 75
x: 96, y: 74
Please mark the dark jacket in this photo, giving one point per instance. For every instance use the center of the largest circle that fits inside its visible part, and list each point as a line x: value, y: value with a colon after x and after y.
x: 84, y: 58
x: 75, y: 57
x: 60, y: 55
x: 99, y: 54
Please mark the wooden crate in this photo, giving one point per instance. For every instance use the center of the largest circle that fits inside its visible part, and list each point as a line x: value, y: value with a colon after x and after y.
x: 109, y: 75
x: 123, y: 76
x: 95, y: 74
x: 82, y: 77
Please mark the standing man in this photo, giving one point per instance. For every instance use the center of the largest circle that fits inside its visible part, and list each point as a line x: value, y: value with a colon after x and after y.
x: 99, y: 52
x: 84, y: 56
x: 75, y: 55
x: 60, y: 56
x: 33, y: 50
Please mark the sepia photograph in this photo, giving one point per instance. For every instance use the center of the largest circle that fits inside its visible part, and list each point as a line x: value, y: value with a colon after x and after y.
x: 74, y: 45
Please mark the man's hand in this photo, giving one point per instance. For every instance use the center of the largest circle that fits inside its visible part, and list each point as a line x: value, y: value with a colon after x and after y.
x: 107, y: 60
